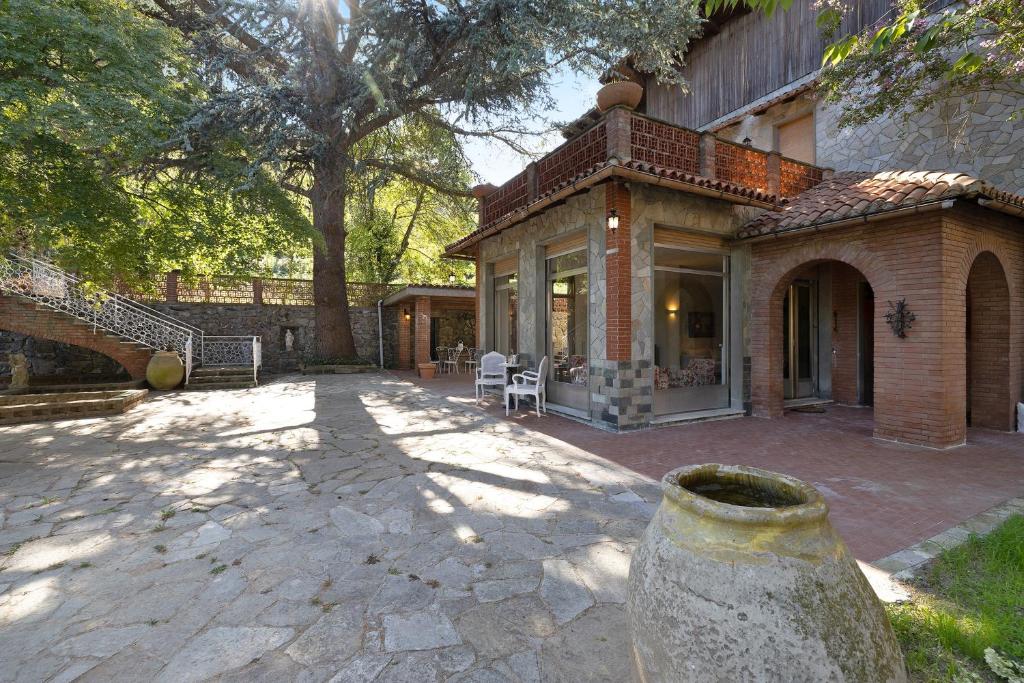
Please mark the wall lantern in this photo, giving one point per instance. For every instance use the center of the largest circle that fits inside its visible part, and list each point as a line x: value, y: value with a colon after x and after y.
x: 406, y: 314
x: 451, y: 279
x: 613, y: 220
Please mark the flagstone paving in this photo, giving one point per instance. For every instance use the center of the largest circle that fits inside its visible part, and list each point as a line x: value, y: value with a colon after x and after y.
x: 338, y: 528
x: 361, y: 527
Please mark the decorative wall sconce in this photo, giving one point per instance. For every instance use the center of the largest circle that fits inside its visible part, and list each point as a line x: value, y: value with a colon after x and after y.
x: 899, y: 318
x: 406, y: 314
x: 451, y: 279
x: 613, y: 220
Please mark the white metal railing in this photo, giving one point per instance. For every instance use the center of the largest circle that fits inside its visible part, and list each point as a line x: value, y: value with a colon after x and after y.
x: 223, y: 351
x: 54, y: 288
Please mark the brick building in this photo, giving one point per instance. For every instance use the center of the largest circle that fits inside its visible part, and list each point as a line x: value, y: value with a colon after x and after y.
x: 671, y: 272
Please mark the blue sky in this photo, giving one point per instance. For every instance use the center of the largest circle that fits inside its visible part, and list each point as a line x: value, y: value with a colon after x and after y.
x: 496, y: 163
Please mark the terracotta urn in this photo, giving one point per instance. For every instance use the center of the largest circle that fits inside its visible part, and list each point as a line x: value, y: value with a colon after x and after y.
x: 626, y: 93
x: 165, y: 370
x: 427, y: 370
x: 740, y: 577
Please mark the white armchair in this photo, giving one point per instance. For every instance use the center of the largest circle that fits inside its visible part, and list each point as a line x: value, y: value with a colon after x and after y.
x: 491, y: 373
x: 528, y: 383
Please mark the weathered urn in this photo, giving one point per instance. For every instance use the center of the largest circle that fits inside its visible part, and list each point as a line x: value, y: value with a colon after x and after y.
x: 625, y: 93
x: 165, y: 370
x: 740, y: 577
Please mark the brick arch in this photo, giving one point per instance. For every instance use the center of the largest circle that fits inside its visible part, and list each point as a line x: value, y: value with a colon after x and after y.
x: 990, y: 378
x: 25, y: 317
x: 768, y: 291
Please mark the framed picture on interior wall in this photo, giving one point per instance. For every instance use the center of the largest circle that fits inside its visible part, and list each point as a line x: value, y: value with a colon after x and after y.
x: 700, y: 324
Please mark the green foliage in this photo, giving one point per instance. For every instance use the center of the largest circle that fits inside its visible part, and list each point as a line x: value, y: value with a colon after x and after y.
x: 397, y: 229
x: 965, y: 621
x: 90, y: 91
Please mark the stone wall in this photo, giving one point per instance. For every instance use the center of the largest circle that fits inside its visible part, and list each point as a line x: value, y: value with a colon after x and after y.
x: 272, y: 323
x: 968, y: 137
x: 58, y: 362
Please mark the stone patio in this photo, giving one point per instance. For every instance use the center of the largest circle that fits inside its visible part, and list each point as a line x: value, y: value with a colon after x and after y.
x: 357, y: 527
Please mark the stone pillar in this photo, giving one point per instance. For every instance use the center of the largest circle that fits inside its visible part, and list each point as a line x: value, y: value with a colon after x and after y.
x: 404, y: 337
x: 422, y: 343
x: 617, y: 131
x: 479, y: 274
x: 171, y: 287
x: 618, y: 274
x: 707, y: 155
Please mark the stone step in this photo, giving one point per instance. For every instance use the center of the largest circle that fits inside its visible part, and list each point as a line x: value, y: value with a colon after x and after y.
x: 209, y: 386
x: 15, y: 408
x: 222, y: 371
x: 215, y: 379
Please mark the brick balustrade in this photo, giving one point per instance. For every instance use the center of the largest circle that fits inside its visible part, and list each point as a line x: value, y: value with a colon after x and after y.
x: 624, y: 136
x: 224, y: 289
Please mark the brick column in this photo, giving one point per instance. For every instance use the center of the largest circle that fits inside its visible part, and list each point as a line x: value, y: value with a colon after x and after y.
x: 774, y: 173
x: 619, y: 315
x: 422, y: 343
x: 171, y: 287
x: 481, y: 192
x: 257, y: 291
x: 404, y: 337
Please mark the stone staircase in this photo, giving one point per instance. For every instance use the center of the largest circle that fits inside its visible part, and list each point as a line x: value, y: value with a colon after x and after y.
x: 224, y: 377
x: 55, y: 405
x: 41, y: 300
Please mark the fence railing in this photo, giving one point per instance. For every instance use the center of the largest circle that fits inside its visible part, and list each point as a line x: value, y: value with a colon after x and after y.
x: 628, y: 136
x: 222, y: 289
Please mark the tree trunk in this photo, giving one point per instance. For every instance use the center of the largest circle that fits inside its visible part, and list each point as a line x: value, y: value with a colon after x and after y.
x: 333, y: 326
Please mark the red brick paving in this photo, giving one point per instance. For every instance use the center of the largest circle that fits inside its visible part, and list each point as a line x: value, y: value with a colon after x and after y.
x: 883, y: 496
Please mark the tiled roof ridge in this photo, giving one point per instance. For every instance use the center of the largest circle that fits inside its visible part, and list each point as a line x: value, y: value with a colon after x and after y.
x: 854, y: 194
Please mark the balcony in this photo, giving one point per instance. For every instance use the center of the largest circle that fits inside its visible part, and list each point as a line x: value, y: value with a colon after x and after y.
x: 627, y: 144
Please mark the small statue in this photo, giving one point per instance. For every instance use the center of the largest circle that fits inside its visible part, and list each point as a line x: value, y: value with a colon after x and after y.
x: 19, y: 370
x: 289, y: 340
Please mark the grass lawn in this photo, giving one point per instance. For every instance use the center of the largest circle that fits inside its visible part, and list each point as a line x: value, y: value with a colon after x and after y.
x: 969, y: 598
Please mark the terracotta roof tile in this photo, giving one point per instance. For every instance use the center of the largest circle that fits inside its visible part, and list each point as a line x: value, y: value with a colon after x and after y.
x: 854, y: 194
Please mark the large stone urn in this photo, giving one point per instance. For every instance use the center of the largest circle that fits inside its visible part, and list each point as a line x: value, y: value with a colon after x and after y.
x: 740, y: 577
x: 165, y: 370
x: 625, y: 93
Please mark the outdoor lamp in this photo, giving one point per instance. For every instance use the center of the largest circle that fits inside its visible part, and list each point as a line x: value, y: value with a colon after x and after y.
x: 405, y: 312
x: 451, y: 279
x: 613, y: 220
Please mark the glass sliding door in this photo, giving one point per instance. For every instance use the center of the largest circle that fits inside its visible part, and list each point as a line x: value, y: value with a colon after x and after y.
x: 799, y: 340
x: 568, y: 330
x: 506, y: 313
x: 691, y: 295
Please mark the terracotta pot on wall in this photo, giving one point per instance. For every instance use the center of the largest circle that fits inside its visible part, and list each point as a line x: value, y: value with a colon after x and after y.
x: 626, y: 93
x: 427, y: 370
x: 165, y: 370
x: 740, y: 576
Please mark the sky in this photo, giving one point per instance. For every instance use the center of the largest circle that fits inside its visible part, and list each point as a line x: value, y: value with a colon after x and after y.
x: 495, y: 163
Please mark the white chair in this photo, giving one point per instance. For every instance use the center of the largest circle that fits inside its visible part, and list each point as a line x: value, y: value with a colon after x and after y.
x: 491, y: 373
x: 527, y: 383
x: 471, y: 360
x: 453, y: 358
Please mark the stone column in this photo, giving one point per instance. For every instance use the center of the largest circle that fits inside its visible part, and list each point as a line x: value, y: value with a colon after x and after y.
x: 422, y: 343
x: 481, y: 192
x: 707, y: 155
x: 617, y: 131
x: 774, y: 173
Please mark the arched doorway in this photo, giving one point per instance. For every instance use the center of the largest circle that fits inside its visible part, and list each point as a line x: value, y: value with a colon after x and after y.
x: 989, y: 403
x: 827, y: 335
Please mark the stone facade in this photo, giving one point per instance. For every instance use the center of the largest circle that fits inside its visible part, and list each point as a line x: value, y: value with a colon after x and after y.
x: 272, y: 323
x: 973, y: 137
x: 58, y: 362
x: 621, y: 280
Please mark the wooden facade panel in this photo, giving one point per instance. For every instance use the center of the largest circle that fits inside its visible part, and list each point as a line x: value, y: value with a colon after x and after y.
x: 566, y: 244
x: 751, y: 57
x: 687, y: 239
x: 506, y: 266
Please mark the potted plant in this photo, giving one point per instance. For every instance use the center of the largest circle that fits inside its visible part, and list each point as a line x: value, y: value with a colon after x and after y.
x: 740, y: 576
x: 427, y: 370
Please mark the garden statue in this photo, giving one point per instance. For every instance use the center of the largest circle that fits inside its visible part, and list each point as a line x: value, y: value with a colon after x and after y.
x: 289, y: 340
x: 19, y: 370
